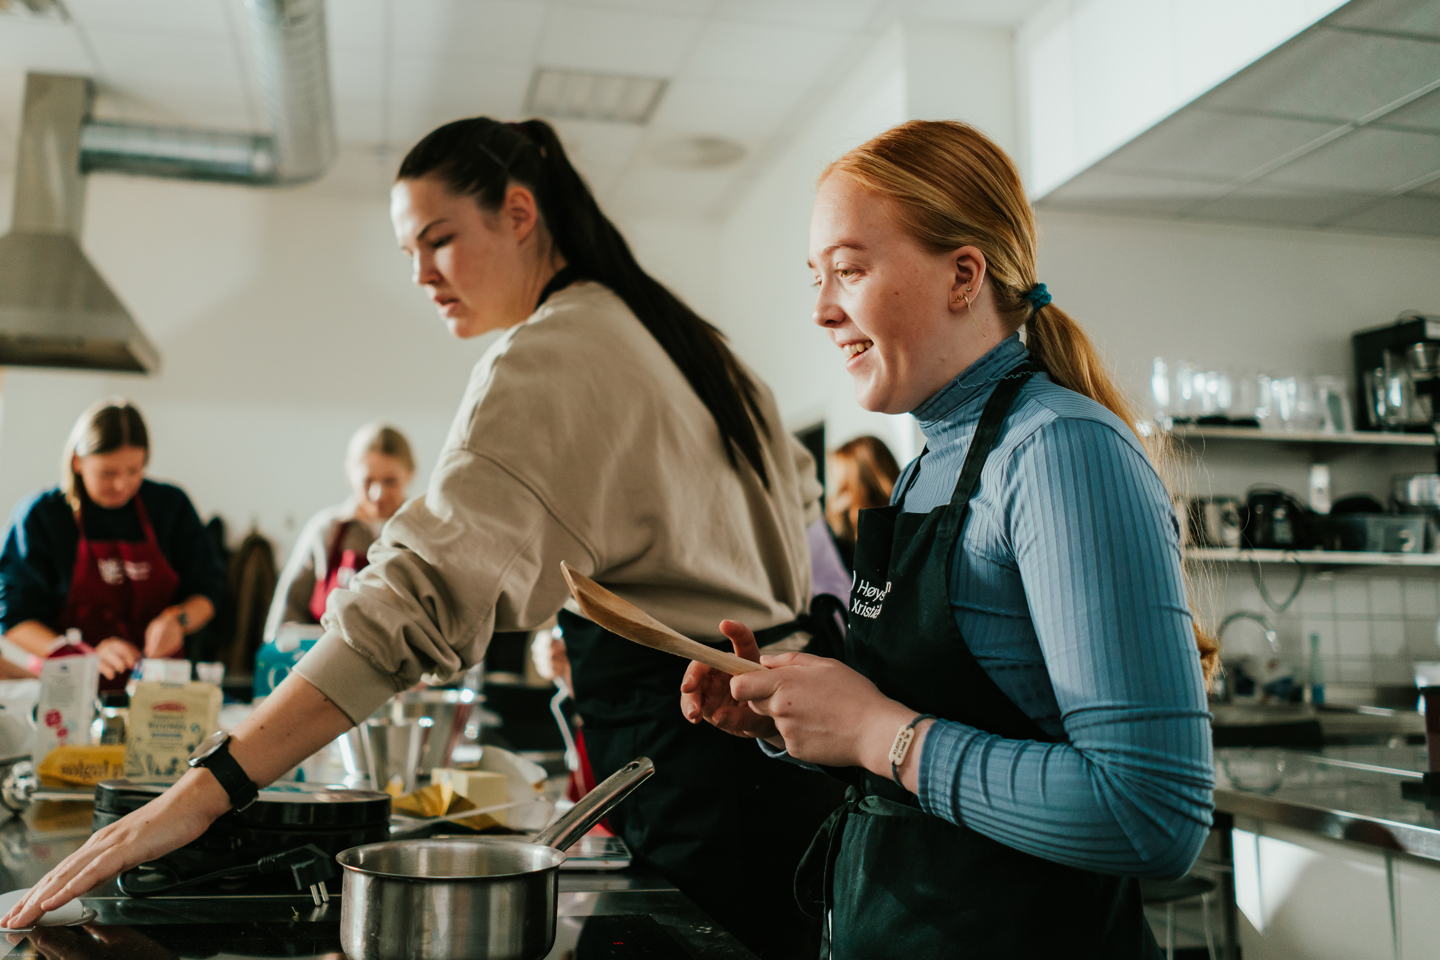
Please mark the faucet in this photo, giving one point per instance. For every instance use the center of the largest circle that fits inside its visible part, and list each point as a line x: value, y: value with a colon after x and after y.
x: 1270, y: 636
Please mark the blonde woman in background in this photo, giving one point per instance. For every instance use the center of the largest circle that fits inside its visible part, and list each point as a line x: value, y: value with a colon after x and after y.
x: 863, y: 473
x: 335, y: 543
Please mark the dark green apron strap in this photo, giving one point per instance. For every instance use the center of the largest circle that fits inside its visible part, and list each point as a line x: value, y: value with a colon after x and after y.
x: 817, y: 866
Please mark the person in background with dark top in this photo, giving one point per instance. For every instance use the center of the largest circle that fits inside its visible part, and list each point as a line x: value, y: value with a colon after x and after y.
x: 610, y: 426
x: 863, y: 473
x: 123, y: 559
x: 334, y: 544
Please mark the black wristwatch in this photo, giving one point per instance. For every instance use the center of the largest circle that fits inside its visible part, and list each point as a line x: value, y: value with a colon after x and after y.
x: 214, y: 755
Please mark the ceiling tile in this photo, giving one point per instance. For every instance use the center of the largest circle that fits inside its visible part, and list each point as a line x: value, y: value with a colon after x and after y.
x: 834, y: 14
x: 160, y: 104
x: 674, y: 8
x: 650, y: 191
x: 726, y: 110
x: 600, y: 151
x: 1423, y: 114
x: 1010, y: 13
x: 1331, y: 74
x: 587, y: 38
x: 1366, y: 161
x: 1416, y: 215
x: 357, y: 75
x: 355, y: 25
x: 1266, y: 203
x: 491, y: 31
x: 465, y: 87
x: 32, y: 46
x: 1216, y: 146
x: 762, y: 55
x: 1098, y: 190
x: 358, y: 121
x: 1420, y: 17
x: 199, y: 18
x: 186, y: 64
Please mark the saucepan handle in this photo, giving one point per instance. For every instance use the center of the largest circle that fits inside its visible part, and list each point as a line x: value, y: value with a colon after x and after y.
x: 595, y: 804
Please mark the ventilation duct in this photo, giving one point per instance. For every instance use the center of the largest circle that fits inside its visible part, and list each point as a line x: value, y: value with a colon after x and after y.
x: 294, y: 73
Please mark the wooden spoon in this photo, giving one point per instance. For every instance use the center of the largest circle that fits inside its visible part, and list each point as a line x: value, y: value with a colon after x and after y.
x: 629, y: 621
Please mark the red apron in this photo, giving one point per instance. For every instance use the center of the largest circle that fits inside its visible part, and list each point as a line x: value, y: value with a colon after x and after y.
x: 340, y: 568
x: 116, y: 589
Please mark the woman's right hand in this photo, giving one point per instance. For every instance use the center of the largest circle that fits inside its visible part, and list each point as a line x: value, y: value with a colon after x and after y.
x: 705, y: 692
x: 116, y: 657
x: 168, y: 822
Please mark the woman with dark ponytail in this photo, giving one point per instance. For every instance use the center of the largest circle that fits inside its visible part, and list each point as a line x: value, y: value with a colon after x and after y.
x: 608, y: 426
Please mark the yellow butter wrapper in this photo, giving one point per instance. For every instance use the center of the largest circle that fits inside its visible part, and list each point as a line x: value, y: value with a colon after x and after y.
x: 72, y: 766
x: 167, y: 723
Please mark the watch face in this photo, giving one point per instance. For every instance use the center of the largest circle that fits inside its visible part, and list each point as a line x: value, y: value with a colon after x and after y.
x: 208, y: 746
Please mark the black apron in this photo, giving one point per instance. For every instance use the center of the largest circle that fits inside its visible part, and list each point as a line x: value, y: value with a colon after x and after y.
x: 896, y: 881
x: 719, y: 819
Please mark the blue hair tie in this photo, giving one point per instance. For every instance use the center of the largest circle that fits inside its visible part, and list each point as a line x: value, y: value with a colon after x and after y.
x: 1037, y: 297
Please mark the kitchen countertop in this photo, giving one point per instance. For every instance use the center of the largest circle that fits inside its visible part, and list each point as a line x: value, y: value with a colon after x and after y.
x: 601, y: 913
x: 1337, y: 722
x: 1345, y: 793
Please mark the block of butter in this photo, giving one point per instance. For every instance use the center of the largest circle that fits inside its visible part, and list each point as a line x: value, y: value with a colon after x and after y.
x: 480, y: 787
x: 72, y: 766
x: 167, y: 722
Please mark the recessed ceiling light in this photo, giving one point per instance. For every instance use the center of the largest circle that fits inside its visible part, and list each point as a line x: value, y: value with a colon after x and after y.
x: 697, y: 153
x: 572, y: 95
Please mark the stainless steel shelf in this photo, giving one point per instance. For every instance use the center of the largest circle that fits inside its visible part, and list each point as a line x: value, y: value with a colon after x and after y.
x: 1374, y: 439
x: 1319, y: 558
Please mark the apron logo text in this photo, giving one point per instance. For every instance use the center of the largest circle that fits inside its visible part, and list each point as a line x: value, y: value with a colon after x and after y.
x: 868, y: 599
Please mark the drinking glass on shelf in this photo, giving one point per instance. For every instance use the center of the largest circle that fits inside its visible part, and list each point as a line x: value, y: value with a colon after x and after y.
x: 1265, y: 403
x: 1160, y: 389
x: 1285, y: 397
x: 1183, y: 401
x: 1376, y: 399
x: 1332, y: 405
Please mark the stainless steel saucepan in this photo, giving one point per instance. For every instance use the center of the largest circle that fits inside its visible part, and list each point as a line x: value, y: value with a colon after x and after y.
x: 466, y: 898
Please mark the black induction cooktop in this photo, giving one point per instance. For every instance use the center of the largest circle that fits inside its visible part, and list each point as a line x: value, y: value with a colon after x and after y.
x: 604, y: 937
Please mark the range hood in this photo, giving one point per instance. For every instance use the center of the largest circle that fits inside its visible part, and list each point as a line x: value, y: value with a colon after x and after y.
x: 55, y: 308
x: 1338, y: 128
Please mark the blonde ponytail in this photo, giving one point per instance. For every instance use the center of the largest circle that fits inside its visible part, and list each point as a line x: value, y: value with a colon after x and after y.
x: 952, y: 187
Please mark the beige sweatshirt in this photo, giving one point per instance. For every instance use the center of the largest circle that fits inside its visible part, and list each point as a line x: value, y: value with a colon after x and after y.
x: 578, y: 439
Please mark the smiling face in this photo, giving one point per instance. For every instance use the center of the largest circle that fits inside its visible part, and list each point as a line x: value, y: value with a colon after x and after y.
x: 895, y: 309
x: 112, y: 479
x: 479, y: 268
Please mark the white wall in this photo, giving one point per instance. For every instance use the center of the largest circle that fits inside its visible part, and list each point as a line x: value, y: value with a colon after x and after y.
x: 285, y: 319
x: 1095, y: 73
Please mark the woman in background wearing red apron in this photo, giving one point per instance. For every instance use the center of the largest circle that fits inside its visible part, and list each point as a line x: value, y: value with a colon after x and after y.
x: 122, y: 559
x: 334, y: 543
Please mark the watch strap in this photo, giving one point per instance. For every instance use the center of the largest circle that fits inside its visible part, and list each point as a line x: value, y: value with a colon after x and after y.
x: 237, y: 784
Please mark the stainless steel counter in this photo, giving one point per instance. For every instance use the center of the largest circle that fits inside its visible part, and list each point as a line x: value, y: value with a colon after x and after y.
x: 1345, y: 793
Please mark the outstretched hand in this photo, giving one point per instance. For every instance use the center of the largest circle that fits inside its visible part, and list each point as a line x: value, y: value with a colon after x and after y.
x: 705, y: 691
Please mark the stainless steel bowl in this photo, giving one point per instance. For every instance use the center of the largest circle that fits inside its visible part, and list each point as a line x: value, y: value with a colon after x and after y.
x: 466, y: 898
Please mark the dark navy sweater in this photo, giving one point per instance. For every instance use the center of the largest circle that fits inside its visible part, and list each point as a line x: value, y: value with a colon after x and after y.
x: 39, y: 553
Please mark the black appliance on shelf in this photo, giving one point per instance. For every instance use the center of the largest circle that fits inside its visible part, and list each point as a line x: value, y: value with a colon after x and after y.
x: 1409, y: 347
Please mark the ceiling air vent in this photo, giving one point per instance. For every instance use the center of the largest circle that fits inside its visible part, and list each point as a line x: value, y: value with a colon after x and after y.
x: 572, y: 95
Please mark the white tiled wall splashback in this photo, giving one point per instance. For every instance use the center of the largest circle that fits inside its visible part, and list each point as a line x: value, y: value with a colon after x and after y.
x: 1373, y: 623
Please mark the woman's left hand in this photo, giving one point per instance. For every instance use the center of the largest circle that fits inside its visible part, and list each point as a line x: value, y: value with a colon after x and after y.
x: 164, y: 637
x: 826, y: 712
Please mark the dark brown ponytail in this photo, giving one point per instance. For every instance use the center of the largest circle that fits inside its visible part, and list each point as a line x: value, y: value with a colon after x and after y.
x: 480, y: 157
